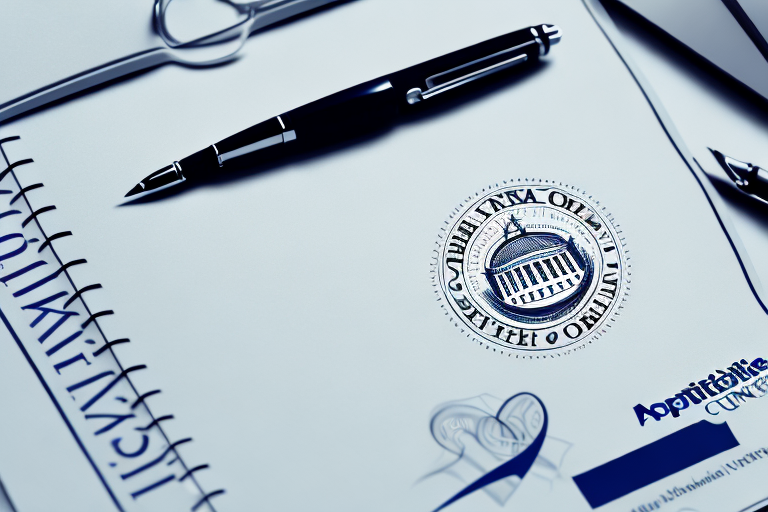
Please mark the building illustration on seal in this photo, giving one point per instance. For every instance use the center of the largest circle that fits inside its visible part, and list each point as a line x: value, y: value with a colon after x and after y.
x: 532, y: 266
x: 536, y: 274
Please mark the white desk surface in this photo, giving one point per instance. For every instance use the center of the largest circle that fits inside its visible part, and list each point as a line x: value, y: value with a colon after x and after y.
x: 265, y: 354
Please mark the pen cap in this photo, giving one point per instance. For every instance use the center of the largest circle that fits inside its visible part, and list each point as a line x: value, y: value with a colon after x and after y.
x: 452, y: 70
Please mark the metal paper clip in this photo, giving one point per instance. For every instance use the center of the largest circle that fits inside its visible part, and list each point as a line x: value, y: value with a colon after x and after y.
x: 208, y: 50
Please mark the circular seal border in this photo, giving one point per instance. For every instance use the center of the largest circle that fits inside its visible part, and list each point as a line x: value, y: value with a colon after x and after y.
x: 549, y: 353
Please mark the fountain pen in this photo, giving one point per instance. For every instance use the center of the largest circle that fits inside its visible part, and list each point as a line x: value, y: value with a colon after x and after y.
x: 748, y: 178
x: 357, y: 111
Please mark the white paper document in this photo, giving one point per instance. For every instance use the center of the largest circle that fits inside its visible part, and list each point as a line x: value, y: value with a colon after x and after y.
x: 524, y: 301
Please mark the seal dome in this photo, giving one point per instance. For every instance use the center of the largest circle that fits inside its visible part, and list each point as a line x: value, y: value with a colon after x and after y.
x: 537, y: 272
x: 521, y: 246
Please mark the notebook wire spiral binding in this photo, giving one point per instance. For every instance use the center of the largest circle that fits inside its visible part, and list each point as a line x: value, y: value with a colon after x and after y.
x: 78, y: 296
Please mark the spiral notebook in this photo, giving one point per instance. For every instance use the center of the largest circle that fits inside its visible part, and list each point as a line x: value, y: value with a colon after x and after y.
x: 296, y: 340
x: 80, y: 372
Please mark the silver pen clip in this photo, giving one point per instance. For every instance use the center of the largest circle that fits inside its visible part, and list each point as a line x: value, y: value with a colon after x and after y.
x: 215, y: 48
x: 482, y: 67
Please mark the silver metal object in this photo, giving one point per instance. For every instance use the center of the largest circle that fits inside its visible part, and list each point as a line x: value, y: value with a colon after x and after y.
x: 443, y: 81
x: 416, y: 95
x: 542, y: 47
x: 209, y: 50
x: 413, y: 96
x: 432, y: 91
x: 554, y: 33
x: 280, y: 138
x: 250, y: 148
x: 179, y: 172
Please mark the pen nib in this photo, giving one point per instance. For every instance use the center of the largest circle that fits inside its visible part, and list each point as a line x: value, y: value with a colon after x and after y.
x: 737, y: 170
x: 166, y: 177
x: 135, y: 190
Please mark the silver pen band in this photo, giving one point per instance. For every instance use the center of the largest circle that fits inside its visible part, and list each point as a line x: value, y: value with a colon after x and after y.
x: 280, y: 138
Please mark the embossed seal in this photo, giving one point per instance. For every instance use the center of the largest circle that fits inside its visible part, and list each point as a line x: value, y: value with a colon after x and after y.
x: 532, y: 266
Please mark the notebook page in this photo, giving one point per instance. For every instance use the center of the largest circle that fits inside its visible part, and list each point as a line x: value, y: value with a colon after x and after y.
x: 34, y: 433
x: 290, y: 318
x: 126, y: 459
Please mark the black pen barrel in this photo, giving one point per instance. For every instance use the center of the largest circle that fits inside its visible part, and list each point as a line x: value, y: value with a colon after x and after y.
x: 351, y: 113
x: 347, y: 114
x: 369, y: 107
x: 758, y: 182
